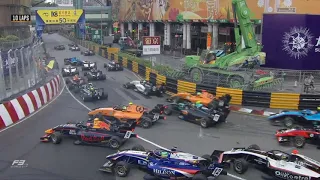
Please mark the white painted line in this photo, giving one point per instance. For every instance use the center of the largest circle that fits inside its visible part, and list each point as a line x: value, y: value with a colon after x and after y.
x: 33, y: 113
x: 234, y: 176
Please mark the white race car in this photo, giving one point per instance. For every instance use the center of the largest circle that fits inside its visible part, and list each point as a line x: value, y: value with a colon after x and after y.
x: 146, y: 88
x: 276, y: 163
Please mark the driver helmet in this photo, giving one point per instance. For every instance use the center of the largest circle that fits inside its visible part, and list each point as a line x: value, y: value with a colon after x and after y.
x: 124, y: 107
x: 164, y: 154
x: 96, y: 123
x: 130, y: 103
x: 198, y: 102
x: 318, y: 108
x: 91, y: 88
x: 198, y: 93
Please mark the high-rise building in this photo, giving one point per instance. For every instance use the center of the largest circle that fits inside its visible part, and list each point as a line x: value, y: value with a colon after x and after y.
x: 64, y: 2
x: 9, y: 7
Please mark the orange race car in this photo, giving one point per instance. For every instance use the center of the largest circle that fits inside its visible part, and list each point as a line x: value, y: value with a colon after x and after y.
x: 204, y: 97
x: 130, y: 113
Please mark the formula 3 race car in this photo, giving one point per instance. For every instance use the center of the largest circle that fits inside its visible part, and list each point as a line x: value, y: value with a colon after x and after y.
x: 146, y: 88
x: 74, y: 84
x: 289, y: 119
x: 92, y: 94
x: 275, y: 163
x: 204, y: 97
x: 73, y: 61
x: 163, y: 164
x: 108, y: 136
x: 87, y: 53
x: 87, y: 65
x: 299, y: 136
x: 74, y: 48
x: 59, y: 47
x: 69, y: 71
x: 144, y: 118
x: 113, y: 66
x: 95, y: 74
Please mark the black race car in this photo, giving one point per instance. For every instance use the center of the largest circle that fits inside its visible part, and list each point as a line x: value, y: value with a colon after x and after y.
x: 59, y: 47
x: 69, y: 71
x: 75, y: 84
x: 72, y: 44
x: 102, y: 133
x: 87, y: 65
x: 95, y: 74
x: 113, y: 66
x: 146, y: 88
x: 87, y: 53
x: 92, y: 94
x: 217, y: 112
x: 74, y: 48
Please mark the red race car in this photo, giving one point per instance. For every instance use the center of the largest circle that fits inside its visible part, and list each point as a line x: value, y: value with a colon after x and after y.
x: 298, y: 136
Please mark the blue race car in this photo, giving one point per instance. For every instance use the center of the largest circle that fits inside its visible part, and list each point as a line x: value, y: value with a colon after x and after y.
x: 163, y: 164
x: 289, y: 119
x: 73, y: 61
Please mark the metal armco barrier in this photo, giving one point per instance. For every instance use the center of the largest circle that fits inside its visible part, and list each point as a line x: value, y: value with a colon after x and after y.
x: 239, y: 97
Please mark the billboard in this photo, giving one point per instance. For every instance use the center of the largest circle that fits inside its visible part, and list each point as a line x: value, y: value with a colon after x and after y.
x: 127, y: 10
x: 291, y: 41
x: 151, y: 45
x: 61, y: 16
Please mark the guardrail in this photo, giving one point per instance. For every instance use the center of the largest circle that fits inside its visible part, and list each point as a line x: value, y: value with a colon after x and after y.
x: 274, y: 100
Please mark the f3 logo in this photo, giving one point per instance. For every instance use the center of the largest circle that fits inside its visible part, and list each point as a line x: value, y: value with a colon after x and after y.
x: 54, y: 14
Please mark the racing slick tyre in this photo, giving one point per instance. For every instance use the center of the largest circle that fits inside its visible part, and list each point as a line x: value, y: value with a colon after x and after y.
x: 103, y: 77
x: 125, y: 85
x: 168, y: 110
x: 299, y: 141
x: 115, y: 143
x: 104, y: 65
x: 56, y: 138
x: 199, y: 177
x: 68, y: 81
x: 76, y: 90
x: 122, y: 169
x: 254, y: 147
x: 138, y: 147
x: 204, y: 122
x: 240, y: 165
x: 146, y: 122
x: 288, y: 122
x: 86, y: 98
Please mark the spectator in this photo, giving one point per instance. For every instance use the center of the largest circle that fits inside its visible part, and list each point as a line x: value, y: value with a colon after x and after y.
x: 307, y: 82
x: 312, y: 82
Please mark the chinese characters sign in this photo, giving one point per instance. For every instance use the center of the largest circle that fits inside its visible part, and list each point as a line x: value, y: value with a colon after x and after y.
x: 151, y: 45
x: 70, y: 16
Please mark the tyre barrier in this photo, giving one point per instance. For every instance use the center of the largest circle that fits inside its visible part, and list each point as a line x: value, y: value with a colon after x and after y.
x: 273, y: 100
x: 21, y: 107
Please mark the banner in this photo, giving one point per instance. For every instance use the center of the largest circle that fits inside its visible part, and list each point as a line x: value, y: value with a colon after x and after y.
x: 209, y: 41
x: 59, y: 17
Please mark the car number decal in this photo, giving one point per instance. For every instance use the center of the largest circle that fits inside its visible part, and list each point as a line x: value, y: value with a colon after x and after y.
x: 72, y: 132
x: 128, y: 134
x: 216, y: 172
x: 221, y: 103
x: 216, y: 117
x: 156, y: 116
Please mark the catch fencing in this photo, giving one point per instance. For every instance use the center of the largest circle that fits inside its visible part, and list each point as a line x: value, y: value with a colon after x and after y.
x: 15, y: 44
x: 21, y: 69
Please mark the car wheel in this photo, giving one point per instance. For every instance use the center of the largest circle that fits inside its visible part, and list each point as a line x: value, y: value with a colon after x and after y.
x: 122, y: 169
x: 299, y: 141
x: 115, y: 142
x: 204, y: 123
x: 146, y: 122
x: 240, y: 165
x: 126, y: 86
x: 167, y: 111
x: 199, y: 177
x: 254, y: 147
x: 138, y: 147
x: 288, y: 122
x: 56, y: 138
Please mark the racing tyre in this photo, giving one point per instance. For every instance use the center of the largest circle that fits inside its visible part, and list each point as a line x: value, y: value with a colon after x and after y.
x: 299, y: 141
x: 254, y: 147
x: 56, y: 138
x: 68, y: 81
x: 125, y: 85
x: 199, y: 177
x: 138, y: 147
x: 288, y: 122
x: 240, y: 165
x: 104, y: 65
x: 146, y: 122
x: 167, y: 111
x: 76, y: 90
x: 122, y: 169
x: 204, y: 123
x: 86, y: 98
x: 115, y: 143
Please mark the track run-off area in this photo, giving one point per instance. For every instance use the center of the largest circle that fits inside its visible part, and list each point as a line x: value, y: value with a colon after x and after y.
x: 66, y: 161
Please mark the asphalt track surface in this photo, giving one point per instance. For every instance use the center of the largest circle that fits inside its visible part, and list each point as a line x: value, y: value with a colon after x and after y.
x: 66, y: 161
